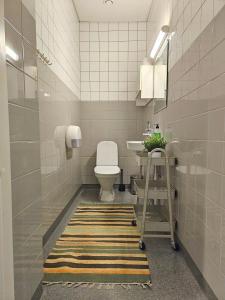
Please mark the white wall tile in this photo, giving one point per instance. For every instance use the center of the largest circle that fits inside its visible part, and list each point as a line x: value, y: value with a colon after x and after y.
x: 113, y: 36
x: 85, y: 76
x: 123, y: 76
x: 94, y: 36
x: 58, y: 32
x: 113, y: 56
x: 104, y: 46
x: 115, y: 51
x: 104, y: 86
x: 94, y: 56
x: 104, y: 36
x: 94, y: 66
x: 113, y: 26
x: 95, y: 96
x: 84, y: 46
x: 113, y: 66
x: 104, y: 66
x: 104, y: 76
x: 123, y: 46
x: 104, y: 56
x: 84, y: 26
x: 114, y: 46
x: 94, y: 46
x: 142, y: 35
x: 84, y: 56
x: 103, y: 27
x: 94, y: 76
x: 84, y: 36
x: 94, y: 86
x: 133, y: 35
x: 133, y: 26
x: 85, y: 66
x: 94, y: 27
x: 123, y: 36
x: 123, y: 26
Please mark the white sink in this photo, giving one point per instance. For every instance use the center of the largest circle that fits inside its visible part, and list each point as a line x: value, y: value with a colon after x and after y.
x: 135, y: 145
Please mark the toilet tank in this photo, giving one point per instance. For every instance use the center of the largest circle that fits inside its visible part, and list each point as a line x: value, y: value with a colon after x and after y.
x: 107, y: 154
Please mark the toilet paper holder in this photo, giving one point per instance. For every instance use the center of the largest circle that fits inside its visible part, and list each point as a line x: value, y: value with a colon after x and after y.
x: 73, y: 137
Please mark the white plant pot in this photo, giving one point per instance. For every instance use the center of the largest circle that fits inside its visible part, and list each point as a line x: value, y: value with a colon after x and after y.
x: 156, y: 154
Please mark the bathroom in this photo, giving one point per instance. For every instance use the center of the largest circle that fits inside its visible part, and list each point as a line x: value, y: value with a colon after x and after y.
x: 81, y: 85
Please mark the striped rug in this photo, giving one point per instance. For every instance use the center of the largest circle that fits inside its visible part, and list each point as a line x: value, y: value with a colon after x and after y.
x: 99, y: 245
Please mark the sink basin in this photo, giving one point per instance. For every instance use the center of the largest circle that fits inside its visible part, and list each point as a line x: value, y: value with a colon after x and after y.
x: 135, y: 145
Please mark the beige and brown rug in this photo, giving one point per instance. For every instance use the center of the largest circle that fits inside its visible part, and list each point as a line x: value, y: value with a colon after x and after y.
x: 99, y: 245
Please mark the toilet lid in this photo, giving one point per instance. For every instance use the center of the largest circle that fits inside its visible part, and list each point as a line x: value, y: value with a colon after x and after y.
x: 107, y: 170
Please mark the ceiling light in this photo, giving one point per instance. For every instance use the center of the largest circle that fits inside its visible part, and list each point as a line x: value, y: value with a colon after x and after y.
x: 11, y: 53
x: 108, y: 2
x: 159, y: 41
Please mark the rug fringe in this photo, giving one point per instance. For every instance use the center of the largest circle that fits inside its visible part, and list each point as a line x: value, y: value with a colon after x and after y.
x: 98, y: 285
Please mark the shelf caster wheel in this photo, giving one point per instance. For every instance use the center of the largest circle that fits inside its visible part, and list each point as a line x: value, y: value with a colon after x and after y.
x: 175, y: 246
x: 134, y: 223
x: 141, y: 245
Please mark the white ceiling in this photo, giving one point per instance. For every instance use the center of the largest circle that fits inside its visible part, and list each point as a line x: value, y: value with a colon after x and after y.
x: 120, y: 11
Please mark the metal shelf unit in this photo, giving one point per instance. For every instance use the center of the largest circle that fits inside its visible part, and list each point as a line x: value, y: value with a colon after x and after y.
x: 157, y: 194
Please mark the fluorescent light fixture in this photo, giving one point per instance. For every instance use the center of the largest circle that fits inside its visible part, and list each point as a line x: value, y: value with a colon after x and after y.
x: 159, y: 41
x: 161, y: 50
x: 47, y: 95
x: 11, y: 53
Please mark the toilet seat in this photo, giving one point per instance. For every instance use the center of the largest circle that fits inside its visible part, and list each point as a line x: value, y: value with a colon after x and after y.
x: 107, y: 170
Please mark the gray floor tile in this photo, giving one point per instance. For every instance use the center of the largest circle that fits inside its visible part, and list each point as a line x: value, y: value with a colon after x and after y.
x: 171, y: 277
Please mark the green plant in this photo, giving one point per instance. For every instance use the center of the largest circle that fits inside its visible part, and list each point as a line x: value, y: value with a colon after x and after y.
x: 154, y: 142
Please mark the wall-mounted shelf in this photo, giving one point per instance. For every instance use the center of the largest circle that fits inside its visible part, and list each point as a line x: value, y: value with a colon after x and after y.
x: 152, y: 84
x: 145, y: 91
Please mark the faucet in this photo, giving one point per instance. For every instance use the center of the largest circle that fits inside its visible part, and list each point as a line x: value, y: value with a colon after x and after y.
x: 148, y: 131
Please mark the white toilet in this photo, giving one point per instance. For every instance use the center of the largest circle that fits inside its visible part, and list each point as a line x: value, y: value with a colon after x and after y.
x: 107, y: 169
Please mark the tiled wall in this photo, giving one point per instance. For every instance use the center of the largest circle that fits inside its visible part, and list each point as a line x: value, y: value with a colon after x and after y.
x: 59, y: 95
x: 110, y: 58
x: 194, y: 120
x: 110, y: 54
x: 116, y: 121
x: 189, y: 19
x: 60, y: 174
x: 42, y: 183
x: 58, y: 39
x: 25, y: 149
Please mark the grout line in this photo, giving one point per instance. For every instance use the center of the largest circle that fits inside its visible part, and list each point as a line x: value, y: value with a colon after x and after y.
x: 27, y: 174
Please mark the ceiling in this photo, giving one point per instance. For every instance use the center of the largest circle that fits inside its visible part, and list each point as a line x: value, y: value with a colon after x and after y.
x: 120, y: 11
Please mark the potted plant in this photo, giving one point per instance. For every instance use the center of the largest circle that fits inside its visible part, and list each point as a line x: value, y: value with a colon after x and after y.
x: 153, y: 142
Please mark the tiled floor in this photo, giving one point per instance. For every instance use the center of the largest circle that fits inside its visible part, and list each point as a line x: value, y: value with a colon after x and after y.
x: 171, y: 277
